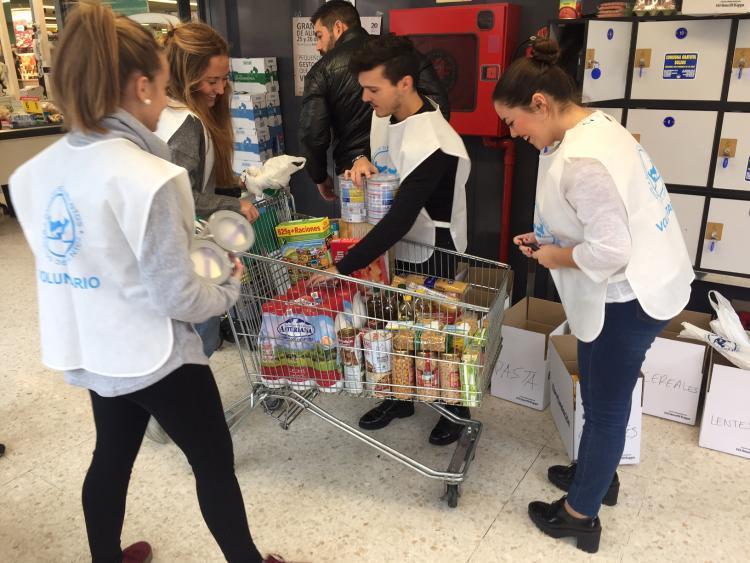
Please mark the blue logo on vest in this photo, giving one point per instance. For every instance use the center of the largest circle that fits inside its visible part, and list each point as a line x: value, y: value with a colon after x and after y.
x: 655, y: 181
x: 63, y: 228
x: 380, y: 161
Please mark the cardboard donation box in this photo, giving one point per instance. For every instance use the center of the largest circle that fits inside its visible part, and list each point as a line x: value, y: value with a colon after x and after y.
x: 673, y: 371
x: 726, y: 413
x: 521, y: 374
x: 567, y: 406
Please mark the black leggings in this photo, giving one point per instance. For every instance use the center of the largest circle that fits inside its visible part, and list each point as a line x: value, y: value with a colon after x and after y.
x: 187, y: 405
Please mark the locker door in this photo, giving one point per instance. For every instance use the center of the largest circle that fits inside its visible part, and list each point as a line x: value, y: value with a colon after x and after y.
x: 614, y: 112
x: 679, y: 142
x: 735, y: 142
x: 730, y: 220
x: 689, y: 212
x: 739, y: 85
x: 680, y: 60
x: 606, y: 63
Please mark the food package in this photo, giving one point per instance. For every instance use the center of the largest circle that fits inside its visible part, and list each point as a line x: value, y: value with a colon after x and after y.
x: 306, y: 243
x: 376, y: 272
x: 298, y: 337
x: 451, y: 288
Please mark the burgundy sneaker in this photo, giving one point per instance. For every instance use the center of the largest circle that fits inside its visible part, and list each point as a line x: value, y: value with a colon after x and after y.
x: 139, y: 552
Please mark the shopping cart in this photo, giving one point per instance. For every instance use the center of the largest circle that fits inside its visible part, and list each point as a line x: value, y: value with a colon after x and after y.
x: 297, y: 341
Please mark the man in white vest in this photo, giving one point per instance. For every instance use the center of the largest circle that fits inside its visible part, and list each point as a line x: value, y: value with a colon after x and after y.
x: 411, y: 138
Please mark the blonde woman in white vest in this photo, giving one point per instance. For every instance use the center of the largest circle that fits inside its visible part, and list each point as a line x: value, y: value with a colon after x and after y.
x: 606, y: 229
x: 109, y: 221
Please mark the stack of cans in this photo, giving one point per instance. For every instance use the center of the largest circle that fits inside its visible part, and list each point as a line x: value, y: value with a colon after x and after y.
x: 381, y: 189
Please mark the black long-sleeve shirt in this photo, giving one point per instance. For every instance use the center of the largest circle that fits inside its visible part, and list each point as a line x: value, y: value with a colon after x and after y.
x: 429, y: 185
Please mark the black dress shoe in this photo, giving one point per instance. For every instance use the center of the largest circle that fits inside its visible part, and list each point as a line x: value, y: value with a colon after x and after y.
x: 561, y: 476
x: 445, y: 431
x: 381, y: 416
x: 554, y: 520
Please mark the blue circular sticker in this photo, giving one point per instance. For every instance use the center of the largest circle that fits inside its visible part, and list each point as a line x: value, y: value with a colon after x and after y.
x: 681, y: 33
x: 668, y: 121
x: 596, y: 73
x: 610, y: 33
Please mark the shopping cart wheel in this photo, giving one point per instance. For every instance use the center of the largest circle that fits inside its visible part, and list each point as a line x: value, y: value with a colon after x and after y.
x: 272, y: 404
x: 451, y: 495
x: 155, y: 432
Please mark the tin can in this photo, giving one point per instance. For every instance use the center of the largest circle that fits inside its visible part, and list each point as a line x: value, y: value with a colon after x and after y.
x: 403, y: 376
x: 427, y: 376
x: 450, y: 378
x: 378, y: 384
x: 353, y: 206
x: 470, y: 377
x: 353, y: 379
x: 380, y: 192
x: 350, y: 347
x: 378, y: 346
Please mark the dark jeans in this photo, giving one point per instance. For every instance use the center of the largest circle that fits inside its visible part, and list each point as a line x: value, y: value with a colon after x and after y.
x: 609, y: 368
x: 187, y: 405
x: 210, y: 334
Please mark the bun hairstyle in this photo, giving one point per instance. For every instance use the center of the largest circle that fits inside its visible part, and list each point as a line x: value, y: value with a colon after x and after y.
x: 538, y: 73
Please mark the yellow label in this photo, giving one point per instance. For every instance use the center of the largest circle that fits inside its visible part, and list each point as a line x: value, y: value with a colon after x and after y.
x: 31, y: 106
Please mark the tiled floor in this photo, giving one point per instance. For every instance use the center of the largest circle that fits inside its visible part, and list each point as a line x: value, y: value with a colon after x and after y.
x: 314, y: 494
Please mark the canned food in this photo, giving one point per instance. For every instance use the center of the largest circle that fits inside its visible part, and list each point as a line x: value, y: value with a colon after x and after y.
x: 378, y: 384
x: 378, y: 346
x: 353, y: 207
x: 350, y: 347
x: 381, y: 190
x: 450, y: 378
x: 427, y: 376
x: 470, y: 377
x: 353, y: 379
x: 403, y: 377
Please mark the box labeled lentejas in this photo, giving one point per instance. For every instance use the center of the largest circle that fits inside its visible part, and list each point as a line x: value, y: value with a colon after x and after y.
x: 521, y: 374
x: 673, y: 371
x: 726, y: 413
x: 567, y: 406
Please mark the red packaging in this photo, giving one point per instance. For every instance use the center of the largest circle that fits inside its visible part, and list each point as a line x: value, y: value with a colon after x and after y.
x: 376, y: 272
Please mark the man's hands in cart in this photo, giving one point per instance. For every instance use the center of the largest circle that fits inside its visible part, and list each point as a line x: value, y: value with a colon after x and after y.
x: 248, y: 210
x: 239, y: 269
x: 550, y: 256
x: 361, y: 167
x: 326, y: 189
x: 324, y: 277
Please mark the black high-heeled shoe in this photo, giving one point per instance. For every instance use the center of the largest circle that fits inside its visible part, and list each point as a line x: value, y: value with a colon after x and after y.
x: 561, y: 476
x: 554, y: 520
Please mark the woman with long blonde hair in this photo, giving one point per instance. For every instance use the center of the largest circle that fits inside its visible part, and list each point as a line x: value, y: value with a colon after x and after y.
x: 197, y: 126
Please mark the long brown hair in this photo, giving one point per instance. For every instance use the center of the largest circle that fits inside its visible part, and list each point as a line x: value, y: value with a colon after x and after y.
x: 190, y: 47
x: 98, y: 53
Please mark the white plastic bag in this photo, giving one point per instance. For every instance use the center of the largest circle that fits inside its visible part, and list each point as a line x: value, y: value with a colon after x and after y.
x: 729, y: 349
x: 731, y: 326
x: 272, y: 175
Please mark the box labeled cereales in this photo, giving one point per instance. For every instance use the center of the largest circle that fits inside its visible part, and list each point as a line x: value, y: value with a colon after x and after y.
x: 673, y: 371
x: 567, y: 406
x: 521, y: 374
x: 725, y: 426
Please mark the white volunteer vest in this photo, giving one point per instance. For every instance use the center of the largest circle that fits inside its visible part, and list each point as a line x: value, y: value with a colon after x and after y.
x: 84, y: 212
x: 171, y: 119
x: 399, y: 148
x: 659, y: 270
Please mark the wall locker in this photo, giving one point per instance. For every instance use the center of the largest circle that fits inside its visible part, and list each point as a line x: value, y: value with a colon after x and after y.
x: 728, y: 232
x: 606, y: 61
x: 614, y: 112
x: 689, y: 212
x: 739, y: 82
x: 733, y: 165
x: 680, y: 60
x: 678, y: 141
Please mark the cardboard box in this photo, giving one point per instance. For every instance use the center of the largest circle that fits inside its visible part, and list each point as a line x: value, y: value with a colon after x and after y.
x: 713, y: 7
x: 726, y: 414
x: 254, y: 87
x: 273, y: 99
x: 567, y: 407
x: 521, y: 374
x: 673, y: 371
x: 249, y: 106
x: 245, y: 159
x: 260, y: 64
x: 485, y: 284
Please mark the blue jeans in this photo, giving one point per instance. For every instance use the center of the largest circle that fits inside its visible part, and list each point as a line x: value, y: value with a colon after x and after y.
x: 609, y: 368
x: 210, y: 335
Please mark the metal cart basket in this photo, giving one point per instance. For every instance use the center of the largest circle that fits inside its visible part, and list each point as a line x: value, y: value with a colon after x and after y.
x: 296, y: 340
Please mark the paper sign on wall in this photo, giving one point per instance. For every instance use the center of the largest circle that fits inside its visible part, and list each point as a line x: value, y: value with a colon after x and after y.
x: 680, y: 66
x: 305, y: 54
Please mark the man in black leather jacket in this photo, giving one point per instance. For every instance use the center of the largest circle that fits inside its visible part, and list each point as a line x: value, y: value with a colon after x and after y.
x: 332, y: 101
